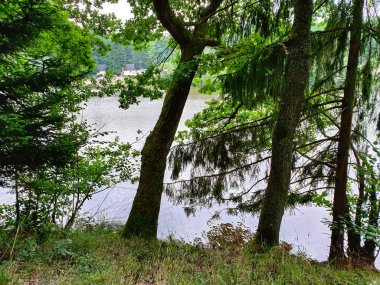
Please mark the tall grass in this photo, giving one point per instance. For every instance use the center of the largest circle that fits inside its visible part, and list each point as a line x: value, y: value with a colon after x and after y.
x: 99, y: 256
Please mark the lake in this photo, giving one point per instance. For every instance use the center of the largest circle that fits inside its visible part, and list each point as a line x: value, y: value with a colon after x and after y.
x: 303, y: 227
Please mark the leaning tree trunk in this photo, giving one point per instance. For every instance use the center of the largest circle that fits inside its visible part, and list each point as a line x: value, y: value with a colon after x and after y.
x: 143, y: 218
x: 339, y: 203
x: 296, y: 82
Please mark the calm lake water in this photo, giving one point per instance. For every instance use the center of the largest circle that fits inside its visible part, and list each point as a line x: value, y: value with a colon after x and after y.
x: 304, y: 227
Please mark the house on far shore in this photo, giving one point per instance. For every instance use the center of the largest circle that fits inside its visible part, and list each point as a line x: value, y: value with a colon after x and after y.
x: 102, y: 70
x: 130, y: 70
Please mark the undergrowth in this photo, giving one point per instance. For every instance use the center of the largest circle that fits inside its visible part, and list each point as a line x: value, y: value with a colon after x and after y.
x: 99, y: 255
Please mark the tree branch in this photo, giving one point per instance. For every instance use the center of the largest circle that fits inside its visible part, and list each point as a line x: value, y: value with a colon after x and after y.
x: 174, y: 25
x: 212, y: 9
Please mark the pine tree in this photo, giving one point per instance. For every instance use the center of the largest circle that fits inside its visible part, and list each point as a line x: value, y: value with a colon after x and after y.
x: 339, y: 205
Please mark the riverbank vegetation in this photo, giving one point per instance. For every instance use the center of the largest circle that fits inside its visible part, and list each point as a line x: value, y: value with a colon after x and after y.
x: 98, y: 255
x: 296, y: 123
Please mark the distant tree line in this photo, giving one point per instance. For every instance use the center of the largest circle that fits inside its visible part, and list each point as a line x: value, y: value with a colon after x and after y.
x: 118, y: 56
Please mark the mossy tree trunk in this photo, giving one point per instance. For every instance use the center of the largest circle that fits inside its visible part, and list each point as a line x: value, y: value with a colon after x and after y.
x: 339, y: 204
x: 143, y: 218
x: 296, y: 82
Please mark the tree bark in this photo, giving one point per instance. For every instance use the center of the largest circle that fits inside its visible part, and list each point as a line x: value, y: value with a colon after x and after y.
x: 353, y: 236
x: 143, y: 218
x: 339, y: 203
x: 369, y: 248
x: 17, y: 203
x: 296, y: 82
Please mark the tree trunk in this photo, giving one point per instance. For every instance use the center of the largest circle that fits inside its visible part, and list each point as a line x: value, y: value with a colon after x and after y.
x: 353, y: 236
x: 17, y: 203
x: 339, y: 203
x: 368, y: 251
x: 143, y: 218
x: 70, y: 222
x: 296, y: 82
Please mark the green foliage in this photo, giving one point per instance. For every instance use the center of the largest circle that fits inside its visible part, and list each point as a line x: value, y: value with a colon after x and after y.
x: 27, y: 248
x: 50, y: 159
x: 206, y: 84
x: 227, y: 145
x: 118, y: 56
x: 142, y: 28
x: 90, y: 15
x: 257, y: 60
x: 61, y: 249
x: 228, y: 137
x: 98, y: 256
x: 369, y: 208
x: 116, y: 59
x: 151, y: 84
x: 4, y: 277
x: 321, y: 200
x: 52, y: 197
x: 154, y: 58
x: 31, y: 17
x: 37, y: 98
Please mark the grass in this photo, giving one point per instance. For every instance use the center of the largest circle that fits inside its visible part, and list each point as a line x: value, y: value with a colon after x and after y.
x: 99, y: 256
